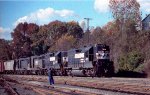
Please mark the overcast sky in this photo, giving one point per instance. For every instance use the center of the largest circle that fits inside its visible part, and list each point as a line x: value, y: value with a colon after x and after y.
x: 44, y: 11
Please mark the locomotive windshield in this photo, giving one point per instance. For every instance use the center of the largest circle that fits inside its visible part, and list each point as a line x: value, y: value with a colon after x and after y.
x: 102, y: 52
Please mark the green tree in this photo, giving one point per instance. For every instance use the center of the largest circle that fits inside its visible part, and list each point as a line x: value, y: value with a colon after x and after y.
x: 131, y: 61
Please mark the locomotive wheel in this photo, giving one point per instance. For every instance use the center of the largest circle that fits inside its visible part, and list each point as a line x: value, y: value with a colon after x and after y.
x: 69, y: 73
x: 84, y: 72
x: 92, y: 73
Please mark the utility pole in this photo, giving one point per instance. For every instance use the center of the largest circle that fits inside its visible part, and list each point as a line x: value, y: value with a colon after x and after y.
x: 88, y: 31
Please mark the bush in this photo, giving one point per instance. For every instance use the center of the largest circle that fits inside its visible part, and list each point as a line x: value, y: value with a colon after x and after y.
x: 131, y: 61
x: 147, y: 68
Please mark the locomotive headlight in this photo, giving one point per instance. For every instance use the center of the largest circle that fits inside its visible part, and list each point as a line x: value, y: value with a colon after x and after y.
x: 104, y: 49
x: 96, y: 54
x: 36, y: 62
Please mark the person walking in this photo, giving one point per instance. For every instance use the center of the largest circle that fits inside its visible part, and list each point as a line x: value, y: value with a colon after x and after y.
x: 50, y: 76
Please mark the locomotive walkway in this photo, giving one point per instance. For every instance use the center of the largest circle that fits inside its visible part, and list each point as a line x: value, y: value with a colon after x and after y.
x: 113, y: 86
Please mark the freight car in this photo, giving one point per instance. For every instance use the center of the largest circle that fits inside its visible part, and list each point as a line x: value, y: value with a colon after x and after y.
x: 85, y: 61
x: 9, y: 66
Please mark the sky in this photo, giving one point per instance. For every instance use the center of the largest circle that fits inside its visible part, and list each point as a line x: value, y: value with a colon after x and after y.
x: 42, y: 12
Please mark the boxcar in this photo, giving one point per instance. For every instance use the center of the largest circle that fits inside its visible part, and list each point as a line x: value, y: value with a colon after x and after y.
x: 9, y: 66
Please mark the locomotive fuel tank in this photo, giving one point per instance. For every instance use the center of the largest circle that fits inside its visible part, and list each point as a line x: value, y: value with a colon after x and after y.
x: 77, y: 72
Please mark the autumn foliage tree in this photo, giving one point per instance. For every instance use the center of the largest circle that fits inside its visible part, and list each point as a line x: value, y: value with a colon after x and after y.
x: 57, y: 29
x: 74, y: 29
x: 65, y: 43
x: 126, y: 14
x: 5, y: 50
x: 125, y: 10
x: 22, y: 35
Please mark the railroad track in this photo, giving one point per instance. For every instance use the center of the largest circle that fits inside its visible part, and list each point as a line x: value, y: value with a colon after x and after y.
x: 6, y: 87
x: 41, y: 89
x: 128, y: 85
x: 48, y: 90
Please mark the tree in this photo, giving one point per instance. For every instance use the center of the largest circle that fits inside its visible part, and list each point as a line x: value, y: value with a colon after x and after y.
x: 66, y: 42
x: 5, y: 50
x: 74, y: 29
x: 22, y: 39
x: 111, y: 28
x: 58, y: 29
x: 125, y: 10
x: 98, y: 36
x: 131, y: 61
x: 55, y: 30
